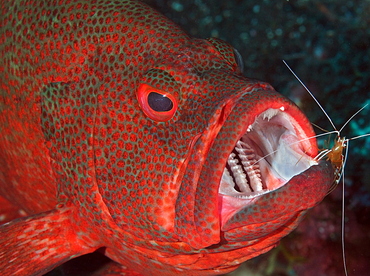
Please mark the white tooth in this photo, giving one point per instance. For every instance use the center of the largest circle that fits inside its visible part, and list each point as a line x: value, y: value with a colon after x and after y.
x: 247, y: 156
x: 227, y: 183
x: 269, y: 113
x: 240, y: 144
x: 239, y: 175
x: 227, y: 177
x: 254, y: 175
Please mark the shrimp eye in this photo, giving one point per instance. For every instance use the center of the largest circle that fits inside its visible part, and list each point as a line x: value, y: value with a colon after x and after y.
x: 157, y: 104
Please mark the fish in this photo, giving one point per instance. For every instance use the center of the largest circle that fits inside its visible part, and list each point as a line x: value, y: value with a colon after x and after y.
x: 122, y: 134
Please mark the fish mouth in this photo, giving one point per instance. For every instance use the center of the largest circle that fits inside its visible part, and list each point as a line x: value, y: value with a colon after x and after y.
x: 269, y: 152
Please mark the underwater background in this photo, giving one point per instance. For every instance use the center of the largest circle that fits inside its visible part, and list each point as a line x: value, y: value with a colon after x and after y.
x: 326, y: 43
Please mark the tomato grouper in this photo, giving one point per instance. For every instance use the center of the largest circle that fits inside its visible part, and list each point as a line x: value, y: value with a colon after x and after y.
x: 120, y: 133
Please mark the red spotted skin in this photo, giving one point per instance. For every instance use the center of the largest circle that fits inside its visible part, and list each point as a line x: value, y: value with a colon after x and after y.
x: 90, y: 166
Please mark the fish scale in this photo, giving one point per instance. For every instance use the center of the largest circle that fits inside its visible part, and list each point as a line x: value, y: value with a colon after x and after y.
x: 90, y: 162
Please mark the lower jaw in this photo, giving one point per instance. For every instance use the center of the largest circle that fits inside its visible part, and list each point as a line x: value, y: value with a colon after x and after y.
x: 300, y: 193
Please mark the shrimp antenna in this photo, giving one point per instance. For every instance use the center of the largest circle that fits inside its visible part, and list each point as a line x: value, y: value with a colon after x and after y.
x: 319, y: 127
x: 309, y: 92
x: 358, y: 111
x: 360, y: 136
x: 305, y: 139
x: 343, y: 215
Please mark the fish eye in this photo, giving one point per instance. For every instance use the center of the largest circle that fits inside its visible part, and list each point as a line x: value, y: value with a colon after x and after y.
x: 157, y: 104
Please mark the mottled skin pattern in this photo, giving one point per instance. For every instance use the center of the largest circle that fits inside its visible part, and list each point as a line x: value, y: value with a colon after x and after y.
x: 92, y: 166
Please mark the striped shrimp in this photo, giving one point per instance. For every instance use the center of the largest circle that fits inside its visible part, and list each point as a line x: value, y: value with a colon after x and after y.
x: 337, y: 155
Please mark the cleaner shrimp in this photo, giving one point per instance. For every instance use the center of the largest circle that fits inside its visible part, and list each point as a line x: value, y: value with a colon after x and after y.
x: 337, y: 155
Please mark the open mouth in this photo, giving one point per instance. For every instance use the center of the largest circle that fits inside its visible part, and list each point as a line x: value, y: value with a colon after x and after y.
x: 270, y: 152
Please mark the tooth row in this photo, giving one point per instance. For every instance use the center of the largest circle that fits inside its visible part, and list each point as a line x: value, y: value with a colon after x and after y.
x: 239, y: 175
x: 246, y: 154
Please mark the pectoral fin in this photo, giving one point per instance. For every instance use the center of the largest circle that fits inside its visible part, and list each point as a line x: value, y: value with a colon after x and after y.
x: 35, y: 245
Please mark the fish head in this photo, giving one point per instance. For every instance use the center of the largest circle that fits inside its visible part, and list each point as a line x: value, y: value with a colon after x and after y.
x: 195, y: 152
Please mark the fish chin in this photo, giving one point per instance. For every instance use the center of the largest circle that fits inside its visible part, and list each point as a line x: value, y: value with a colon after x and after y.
x: 268, y: 154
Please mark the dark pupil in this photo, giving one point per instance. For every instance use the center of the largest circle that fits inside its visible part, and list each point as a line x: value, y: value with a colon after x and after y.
x: 159, y: 102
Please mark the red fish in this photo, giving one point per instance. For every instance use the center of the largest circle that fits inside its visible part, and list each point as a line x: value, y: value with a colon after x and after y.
x: 120, y: 132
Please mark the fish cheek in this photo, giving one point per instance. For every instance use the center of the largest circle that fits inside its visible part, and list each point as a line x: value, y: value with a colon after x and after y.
x: 68, y: 116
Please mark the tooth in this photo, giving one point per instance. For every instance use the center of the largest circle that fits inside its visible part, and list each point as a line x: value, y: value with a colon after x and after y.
x: 227, y: 183
x: 254, y: 175
x: 247, y: 156
x: 239, y: 175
